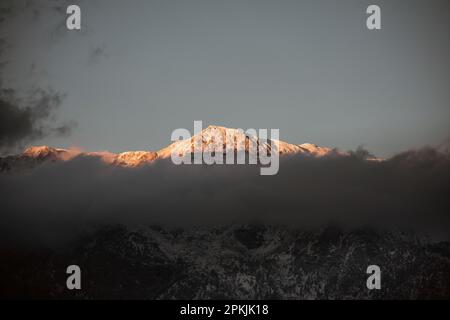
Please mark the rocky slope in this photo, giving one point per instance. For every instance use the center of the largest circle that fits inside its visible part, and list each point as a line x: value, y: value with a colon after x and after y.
x: 234, y: 262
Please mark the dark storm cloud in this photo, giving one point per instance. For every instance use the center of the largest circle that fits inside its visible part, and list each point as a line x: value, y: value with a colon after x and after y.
x: 58, y: 199
x: 25, y: 121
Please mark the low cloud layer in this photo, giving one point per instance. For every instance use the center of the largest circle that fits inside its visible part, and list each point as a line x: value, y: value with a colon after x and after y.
x: 409, y: 191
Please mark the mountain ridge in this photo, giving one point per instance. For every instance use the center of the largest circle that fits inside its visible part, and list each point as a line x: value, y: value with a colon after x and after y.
x: 208, y: 140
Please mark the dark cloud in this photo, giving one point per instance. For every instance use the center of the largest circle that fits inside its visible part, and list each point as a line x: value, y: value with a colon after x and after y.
x: 7, y: 9
x: 10, y: 8
x: 65, y: 129
x: 361, y: 153
x: 38, y: 10
x: 25, y: 121
x: 408, y: 192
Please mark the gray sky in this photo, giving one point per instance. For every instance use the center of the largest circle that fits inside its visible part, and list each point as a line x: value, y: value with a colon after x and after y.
x: 140, y: 69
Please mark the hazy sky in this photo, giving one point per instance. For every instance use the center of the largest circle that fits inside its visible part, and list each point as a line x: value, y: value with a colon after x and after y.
x: 141, y: 68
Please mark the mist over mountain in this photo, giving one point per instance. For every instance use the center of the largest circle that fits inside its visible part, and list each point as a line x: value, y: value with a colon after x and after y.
x: 57, y: 198
x: 143, y: 227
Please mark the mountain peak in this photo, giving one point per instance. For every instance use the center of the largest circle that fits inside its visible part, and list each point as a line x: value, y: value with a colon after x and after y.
x: 210, y: 139
x: 214, y: 127
x: 42, y: 151
x: 212, y: 130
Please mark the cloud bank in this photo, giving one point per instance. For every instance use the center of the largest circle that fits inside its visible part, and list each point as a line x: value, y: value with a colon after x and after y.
x: 25, y: 121
x: 56, y: 200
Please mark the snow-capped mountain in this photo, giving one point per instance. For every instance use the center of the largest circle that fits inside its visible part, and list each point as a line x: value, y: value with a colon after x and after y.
x: 210, y: 139
x: 234, y: 140
x: 36, y: 155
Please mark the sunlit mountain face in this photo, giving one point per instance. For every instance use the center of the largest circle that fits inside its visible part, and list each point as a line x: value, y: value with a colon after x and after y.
x: 210, y: 139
